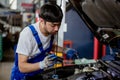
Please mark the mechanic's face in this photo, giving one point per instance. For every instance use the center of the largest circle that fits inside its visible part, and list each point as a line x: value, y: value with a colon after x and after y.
x: 51, y: 27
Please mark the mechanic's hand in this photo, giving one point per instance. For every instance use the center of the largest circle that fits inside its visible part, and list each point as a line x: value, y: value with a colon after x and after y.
x: 48, y: 61
x: 70, y: 53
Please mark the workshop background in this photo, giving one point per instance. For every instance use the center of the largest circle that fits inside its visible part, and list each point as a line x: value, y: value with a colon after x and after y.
x: 17, y: 14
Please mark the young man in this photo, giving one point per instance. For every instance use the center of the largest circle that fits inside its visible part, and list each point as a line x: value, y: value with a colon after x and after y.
x: 35, y: 43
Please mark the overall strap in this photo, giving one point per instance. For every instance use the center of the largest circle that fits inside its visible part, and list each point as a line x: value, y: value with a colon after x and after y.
x: 51, y: 43
x: 34, y: 32
x: 40, y: 46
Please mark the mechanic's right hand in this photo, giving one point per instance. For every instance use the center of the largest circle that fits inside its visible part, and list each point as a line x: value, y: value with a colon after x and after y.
x: 48, y: 61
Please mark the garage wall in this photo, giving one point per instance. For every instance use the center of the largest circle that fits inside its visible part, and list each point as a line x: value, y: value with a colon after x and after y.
x: 79, y: 33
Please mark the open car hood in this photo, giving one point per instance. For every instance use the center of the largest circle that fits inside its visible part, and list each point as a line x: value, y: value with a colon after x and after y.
x: 101, y: 16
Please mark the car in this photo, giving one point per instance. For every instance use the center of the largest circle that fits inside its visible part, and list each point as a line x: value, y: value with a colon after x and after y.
x: 102, y: 17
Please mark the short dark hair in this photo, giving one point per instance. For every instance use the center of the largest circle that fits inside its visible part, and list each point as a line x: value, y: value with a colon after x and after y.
x: 51, y: 12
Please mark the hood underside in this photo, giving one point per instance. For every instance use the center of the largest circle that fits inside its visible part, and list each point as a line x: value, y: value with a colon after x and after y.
x: 101, y: 16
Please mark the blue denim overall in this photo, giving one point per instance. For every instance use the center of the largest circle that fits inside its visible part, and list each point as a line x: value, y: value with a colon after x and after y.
x: 16, y: 74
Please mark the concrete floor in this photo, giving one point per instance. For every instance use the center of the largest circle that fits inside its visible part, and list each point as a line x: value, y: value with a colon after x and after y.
x: 6, y: 64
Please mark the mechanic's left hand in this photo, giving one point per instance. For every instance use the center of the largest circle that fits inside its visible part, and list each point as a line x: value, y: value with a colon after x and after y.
x: 70, y: 53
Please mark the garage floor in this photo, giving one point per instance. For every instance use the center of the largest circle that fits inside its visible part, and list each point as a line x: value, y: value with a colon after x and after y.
x: 6, y: 64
